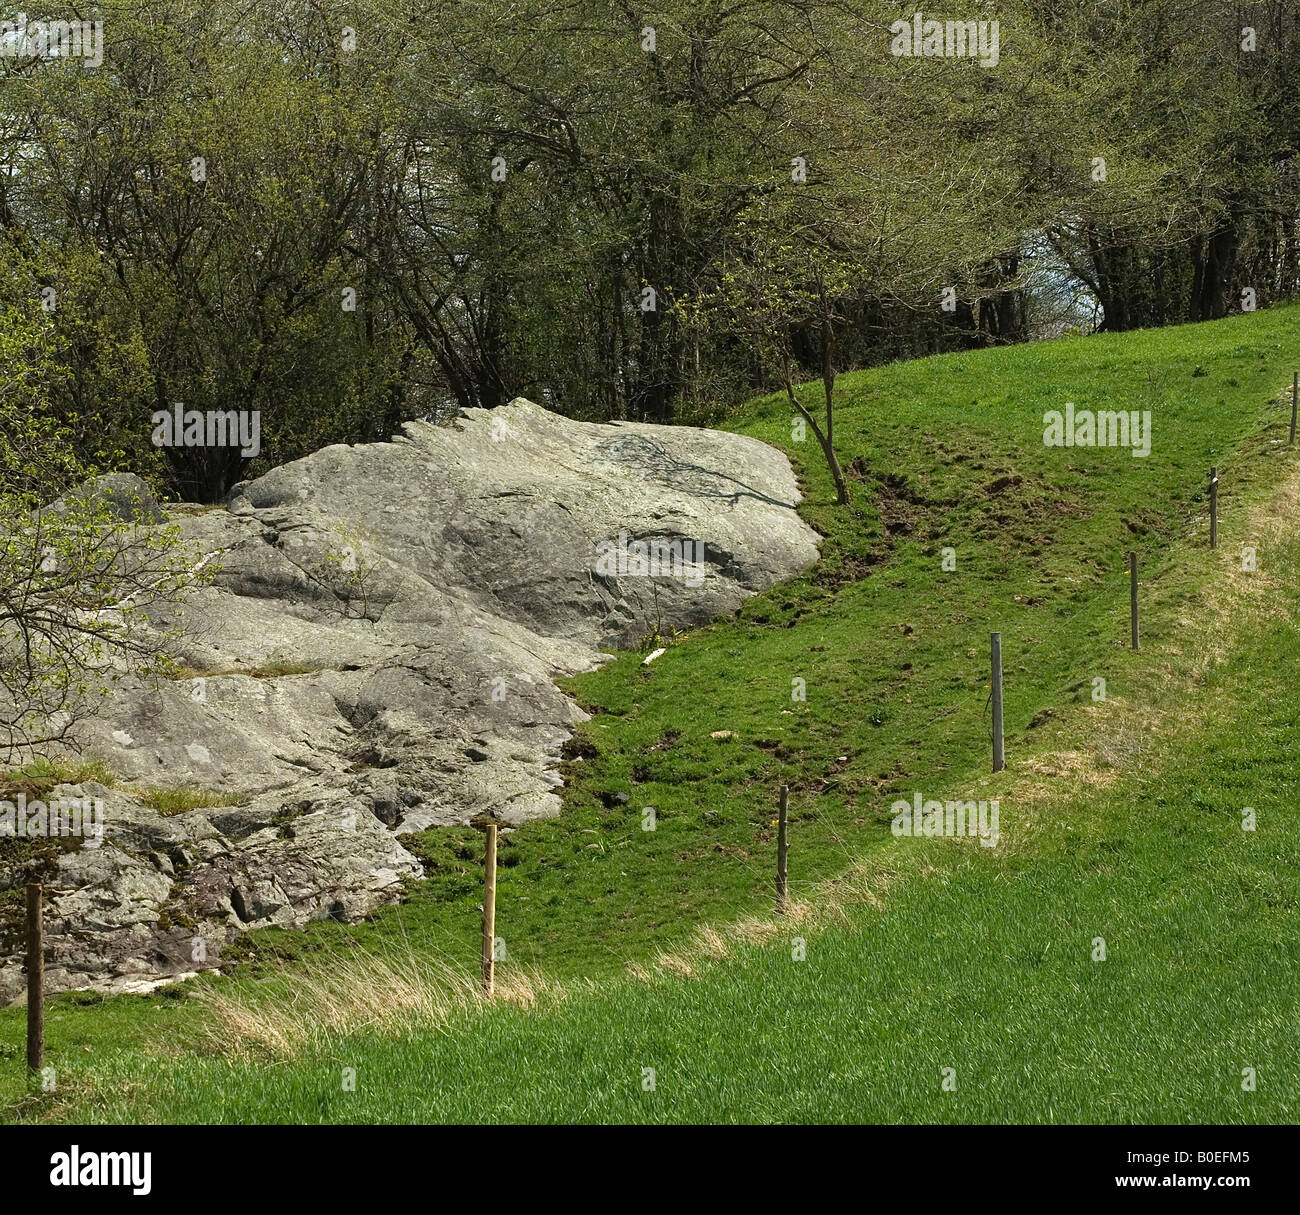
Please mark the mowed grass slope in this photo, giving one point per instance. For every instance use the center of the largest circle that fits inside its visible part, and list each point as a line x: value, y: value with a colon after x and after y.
x: 1121, y: 819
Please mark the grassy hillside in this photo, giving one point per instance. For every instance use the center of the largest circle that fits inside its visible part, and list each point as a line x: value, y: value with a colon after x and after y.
x: 1121, y: 819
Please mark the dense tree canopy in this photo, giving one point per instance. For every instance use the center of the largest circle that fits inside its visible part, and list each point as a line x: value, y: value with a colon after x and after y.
x: 344, y: 215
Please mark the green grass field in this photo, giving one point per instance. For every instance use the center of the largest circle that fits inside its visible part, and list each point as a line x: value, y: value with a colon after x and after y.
x: 1121, y: 820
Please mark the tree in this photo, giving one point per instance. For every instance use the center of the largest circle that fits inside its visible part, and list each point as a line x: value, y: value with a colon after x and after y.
x: 76, y: 579
x: 1190, y: 211
x: 851, y: 216
x: 202, y: 201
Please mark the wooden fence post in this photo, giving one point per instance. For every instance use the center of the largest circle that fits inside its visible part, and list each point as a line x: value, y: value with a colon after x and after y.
x: 1133, y: 595
x: 1295, y: 401
x: 489, y: 909
x: 998, y: 761
x: 1214, y: 508
x: 35, y: 980
x: 782, y: 851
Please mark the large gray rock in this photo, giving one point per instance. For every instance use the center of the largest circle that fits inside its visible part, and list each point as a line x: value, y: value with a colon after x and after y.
x: 377, y: 656
x: 122, y: 496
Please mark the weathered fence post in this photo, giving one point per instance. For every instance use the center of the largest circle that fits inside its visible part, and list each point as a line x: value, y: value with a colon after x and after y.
x: 1133, y: 595
x: 1295, y: 401
x: 998, y: 762
x: 782, y: 851
x: 489, y: 908
x: 1214, y: 508
x: 35, y: 980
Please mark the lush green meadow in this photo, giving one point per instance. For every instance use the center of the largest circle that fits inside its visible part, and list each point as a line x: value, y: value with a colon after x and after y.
x: 1121, y: 820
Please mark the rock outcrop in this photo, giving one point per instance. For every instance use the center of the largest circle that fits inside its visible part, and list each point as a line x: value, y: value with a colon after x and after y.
x: 377, y: 656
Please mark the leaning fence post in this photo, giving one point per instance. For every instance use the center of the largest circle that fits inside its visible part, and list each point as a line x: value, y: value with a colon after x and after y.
x: 1133, y: 595
x: 998, y: 762
x: 1214, y: 508
x: 781, y: 850
x: 35, y: 980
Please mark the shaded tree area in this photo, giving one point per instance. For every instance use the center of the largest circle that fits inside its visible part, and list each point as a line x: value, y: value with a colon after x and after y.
x: 1216, y: 102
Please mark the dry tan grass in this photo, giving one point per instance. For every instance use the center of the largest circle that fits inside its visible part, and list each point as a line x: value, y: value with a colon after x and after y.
x: 356, y: 992
x: 675, y: 964
x: 1079, y: 768
x: 528, y: 987
x: 711, y: 944
x: 750, y: 930
x: 362, y: 991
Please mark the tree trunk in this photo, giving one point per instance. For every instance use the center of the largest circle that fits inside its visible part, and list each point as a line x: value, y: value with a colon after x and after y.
x: 832, y: 460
